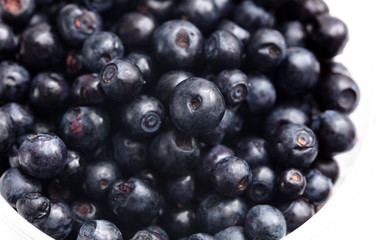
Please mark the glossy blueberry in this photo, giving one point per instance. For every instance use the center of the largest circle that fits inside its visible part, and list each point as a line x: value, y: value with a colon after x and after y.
x: 33, y: 207
x: 266, y: 49
x: 203, y: 13
x: 242, y: 34
x: 74, y: 63
x: 98, y: 5
x: 231, y: 233
x: 149, y: 176
x: 223, y: 50
x: 49, y: 91
x: 98, y: 178
x: 8, y: 132
x: 252, y: 17
x: 58, y: 224
x: 99, y: 49
x: 99, y: 230
x: 306, y: 11
x: 129, y: 154
x: 233, y: 85
x: 17, y: 12
x: 43, y: 126
x: 225, y: 7
x: 231, y: 176
x: 134, y: 202
x: 40, y: 47
x: 37, y: 18
x: 180, y: 190
x: 86, y: 90
x: 145, y: 235
x: 83, y: 211
x: 328, y: 36
x: 318, y: 187
x: 296, y: 213
x: 294, y: 33
x: 21, y: 115
x: 84, y: 128
x: 216, y: 212
x: 254, y: 150
x: 161, y: 9
x: 72, y: 172
x: 197, y: 106
x: 7, y: 40
x: 143, y: 116
x: 332, y: 67
x: 335, y: 132
x: 177, y: 43
x: 265, y: 222
x: 42, y: 155
x: 76, y: 24
x: 136, y: 30
x: 261, y: 93
x: 159, y: 232
x: 291, y: 183
x: 167, y: 83
x: 15, y: 184
x: 201, y: 236
x: 180, y: 222
x: 295, y: 146
x: 173, y: 153
x: 328, y: 167
x: 145, y: 64
x: 298, y: 72
x: 121, y: 80
x: 262, y: 184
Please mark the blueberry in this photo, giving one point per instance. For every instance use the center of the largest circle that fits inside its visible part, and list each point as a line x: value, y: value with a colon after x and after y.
x: 14, y: 184
x: 21, y: 115
x: 225, y: 7
x: 201, y: 236
x: 121, y: 79
x: 216, y: 212
x: 291, y: 183
x: 83, y: 211
x: 42, y: 155
x: 33, y: 207
x: 84, y: 128
x: 60, y: 192
x: 296, y: 213
x: 37, y: 18
x: 74, y: 63
x: 180, y: 190
x: 98, y: 5
x: 242, y: 34
x: 298, y: 72
x: 134, y: 202
x: 146, y: 235
x: 306, y: 11
x: 261, y: 93
x: 233, y: 85
x: 265, y: 222
x: 99, y: 49
x: 180, y: 222
x: 255, y: 151
x: 17, y: 12
x: 145, y: 64
x: 76, y: 24
x: 43, y: 126
x: 177, y: 43
x: 223, y: 50
x: 99, y: 230
x: 86, y: 90
x: 7, y: 40
x: 72, y: 172
x: 197, y: 106
x: 231, y: 176
x: 328, y: 167
x: 158, y: 232
x: 318, y: 187
x: 262, y: 184
x: 294, y: 33
x: 252, y: 17
x: 161, y: 9
x: 231, y: 233
x: 173, y: 153
x: 149, y: 176
x: 143, y: 116
x: 8, y: 132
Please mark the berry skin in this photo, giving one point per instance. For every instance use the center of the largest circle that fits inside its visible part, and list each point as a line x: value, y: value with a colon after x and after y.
x: 7, y: 41
x: 8, y: 132
x: 180, y: 190
x: 231, y: 233
x: 33, y: 207
x: 145, y: 64
x: 42, y: 155
x: 201, y: 236
x: 161, y: 9
x: 14, y: 81
x: 254, y: 150
x: 296, y: 213
x: 83, y: 211
x: 17, y: 12
x: 318, y: 187
x: 266, y: 222
x: 99, y: 49
x: 294, y: 33
x: 86, y: 90
x: 234, y: 29
x: 72, y: 172
x: 98, y: 5
x: 15, y: 184
x: 261, y: 93
x: 180, y: 222
x: 291, y: 183
x: 21, y: 115
x: 121, y: 80
x: 328, y: 167
x: 197, y: 106
x: 99, y: 230
x: 233, y: 85
x: 262, y: 184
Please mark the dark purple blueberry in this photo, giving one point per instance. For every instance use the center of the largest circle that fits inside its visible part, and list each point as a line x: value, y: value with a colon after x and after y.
x: 76, y: 24
x: 99, y: 49
x: 17, y: 11
x: 136, y: 30
x: 142, y: 117
x: 265, y: 222
x: 223, y: 50
x: 296, y: 213
x: 121, y: 80
x: 335, y: 132
x: 99, y: 230
x: 159, y: 232
x: 167, y: 83
x: 33, y: 207
x: 84, y: 128
x: 216, y: 212
x: 86, y: 90
x: 266, y: 50
x: 261, y: 93
x: 7, y: 41
x: 242, y: 34
x: 74, y: 63
x: 294, y: 33
x: 181, y: 189
x: 197, y: 106
x: 43, y: 126
x: 129, y: 154
x: 49, y: 91
x: 231, y: 176
x: 328, y: 167
x: 298, y: 72
x: 134, y: 202
x: 307, y: 10
x: 231, y: 233
x: 161, y: 9
x: 15, y: 184
x: 98, y: 5
x: 318, y: 187
x: 225, y: 7
x: 291, y: 183
x: 8, y: 132
x: 233, y: 85
x: 331, y: 67
x: 58, y: 224
x: 83, y: 211
x: 201, y: 236
x: 255, y: 151
x: 98, y: 178
x: 40, y: 47
x: 262, y: 184
x: 149, y: 176
x: 72, y: 172
x: 61, y: 192
x: 177, y: 43
x: 180, y: 222
x: 42, y: 155
x: 21, y: 115
x: 37, y: 18
x: 145, y: 64
x: 173, y: 153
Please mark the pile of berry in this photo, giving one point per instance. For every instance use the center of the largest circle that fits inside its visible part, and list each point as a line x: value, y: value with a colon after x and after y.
x: 180, y: 119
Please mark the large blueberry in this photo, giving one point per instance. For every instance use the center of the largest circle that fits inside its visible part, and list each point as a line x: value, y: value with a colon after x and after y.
x: 99, y: 230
